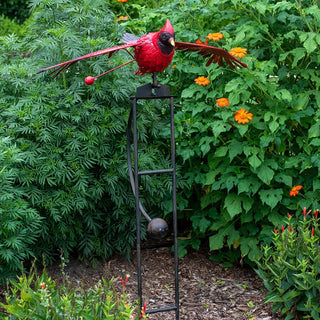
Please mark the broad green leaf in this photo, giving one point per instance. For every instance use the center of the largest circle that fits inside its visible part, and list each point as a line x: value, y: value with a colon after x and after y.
x: 265, y: 174
x: 314, y: 130
x: 255, y: 253
x: 233, y: 85
x: 261, y: 7
x: 249, y: 184
x: 211, y: 176
x: 218, y: 127
x: 265, y: 141
x: 221, y: 151
x: 275, y: 218
x: 315, y: 142
x: 249, y: 247
x: 189, y: 92
x: 205, y: 148
x: 243, y: 129
x: 235, y: 148
x: 273, y: 125
x: 247, y: 203
x: 284, y: 178
x: 254, y: 161
x: 200, y: 107
x: 200, y: 222
x: 284, y: 94
x: 186, y: 153
x: 271, y: 197
x: 298, y: 54
x: 233, y: 236
x: 301, y: 101
x: 316, y: 184
x: 216, y: 241
x: 204, y: 224
x: 233, y: 204
x: 310, y: 44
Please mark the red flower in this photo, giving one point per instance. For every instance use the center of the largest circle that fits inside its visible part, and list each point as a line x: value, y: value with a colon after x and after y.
x: 305, y: 213
x: 316, y: 213
x: 289, y: 215
x: 275, y: 230
x: 290, y: 229
x: 312, y: 232
x: 127, y: 278
x: 143, y: 311
x: 124, y: 283
x: 282, y: 228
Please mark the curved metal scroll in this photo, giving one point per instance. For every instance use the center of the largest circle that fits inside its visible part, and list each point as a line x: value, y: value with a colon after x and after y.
x: 132, y: 182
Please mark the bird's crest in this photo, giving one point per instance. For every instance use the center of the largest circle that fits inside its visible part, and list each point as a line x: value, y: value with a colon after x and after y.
x: 167, y: 27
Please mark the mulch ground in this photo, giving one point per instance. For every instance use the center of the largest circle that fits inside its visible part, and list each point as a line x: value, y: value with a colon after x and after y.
x: 206, y: 289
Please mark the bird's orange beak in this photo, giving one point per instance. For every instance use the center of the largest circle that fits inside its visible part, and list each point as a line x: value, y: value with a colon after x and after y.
x: 171, y: 41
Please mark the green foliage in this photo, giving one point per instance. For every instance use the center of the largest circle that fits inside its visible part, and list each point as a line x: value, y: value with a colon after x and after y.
x: 73, y: 137
x: 241, y: 174
x: 8, y: 26
x: 39, y: 297
x: 290, y: 268
x: 19, y: 223
x: 15, y: 9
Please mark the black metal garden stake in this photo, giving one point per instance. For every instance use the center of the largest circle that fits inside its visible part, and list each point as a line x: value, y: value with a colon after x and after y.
x: 157, y: 228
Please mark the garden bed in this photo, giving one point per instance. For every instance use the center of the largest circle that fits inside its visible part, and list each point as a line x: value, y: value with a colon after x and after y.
x: 207, y: 290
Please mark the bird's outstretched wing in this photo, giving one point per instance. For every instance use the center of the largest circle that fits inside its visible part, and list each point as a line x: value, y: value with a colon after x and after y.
x: 58, y: 68
x: 215, y: 55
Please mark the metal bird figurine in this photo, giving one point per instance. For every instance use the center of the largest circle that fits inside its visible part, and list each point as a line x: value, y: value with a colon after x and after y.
x: 153, y: 53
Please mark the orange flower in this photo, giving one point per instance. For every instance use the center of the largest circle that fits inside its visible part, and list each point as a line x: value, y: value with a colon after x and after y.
x: 242, y: 116
x: 223, y: 102
x: 43, y: 285
x: 238, y: 52
x: 202, y: 81
x: 122, y: 18
x: 295, y: 190
x: 122, y: 0
x: 215, y: 36
x: 201, y: 42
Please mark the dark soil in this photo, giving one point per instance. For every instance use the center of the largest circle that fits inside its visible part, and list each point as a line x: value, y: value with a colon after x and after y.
x: 207, y: 290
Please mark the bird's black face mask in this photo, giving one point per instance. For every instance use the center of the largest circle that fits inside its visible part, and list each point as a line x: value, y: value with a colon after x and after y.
x: 166, y: 42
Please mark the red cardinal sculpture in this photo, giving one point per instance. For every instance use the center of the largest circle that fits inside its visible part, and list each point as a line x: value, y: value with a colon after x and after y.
x: 153, y: 53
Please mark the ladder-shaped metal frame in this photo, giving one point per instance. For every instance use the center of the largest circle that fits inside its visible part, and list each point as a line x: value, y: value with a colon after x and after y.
x: 153, y: 91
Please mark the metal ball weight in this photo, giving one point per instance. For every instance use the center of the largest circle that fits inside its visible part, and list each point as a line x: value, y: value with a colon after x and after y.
x: 157, y: 228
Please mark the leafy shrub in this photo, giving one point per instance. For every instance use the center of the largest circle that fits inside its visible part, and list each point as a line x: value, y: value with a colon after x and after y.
x: 19, y: 223
x: 72, y: 136
x: 15, y: 9
x: 39, y: 297
x: 8, y: 26
x: 241, y: 174
x: 290, y: 267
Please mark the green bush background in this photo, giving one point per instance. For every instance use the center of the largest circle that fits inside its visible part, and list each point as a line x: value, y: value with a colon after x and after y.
x: 71, y: 138
x: 15, y: 9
